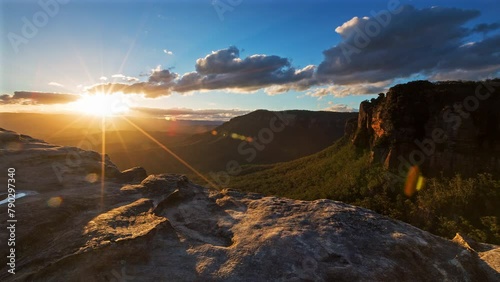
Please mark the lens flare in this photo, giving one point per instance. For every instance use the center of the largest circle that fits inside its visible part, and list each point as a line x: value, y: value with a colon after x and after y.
x: 92, y: 177
x: 54, y: 202
x: 414, y: 181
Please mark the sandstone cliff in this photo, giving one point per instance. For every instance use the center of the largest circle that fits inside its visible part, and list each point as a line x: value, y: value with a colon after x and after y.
x: 165, y: 228
x: 443, y: 127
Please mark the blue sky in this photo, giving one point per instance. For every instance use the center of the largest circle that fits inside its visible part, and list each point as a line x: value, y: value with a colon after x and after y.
x: 86, y: 40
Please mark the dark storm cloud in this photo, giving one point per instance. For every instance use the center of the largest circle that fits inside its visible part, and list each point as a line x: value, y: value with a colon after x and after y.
x: 477, y: 59
x: 484, y: 28
x: 38, y: 98
x: 428, y: 41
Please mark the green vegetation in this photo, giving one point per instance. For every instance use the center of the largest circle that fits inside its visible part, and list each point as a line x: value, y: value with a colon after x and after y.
x: 343, y: 172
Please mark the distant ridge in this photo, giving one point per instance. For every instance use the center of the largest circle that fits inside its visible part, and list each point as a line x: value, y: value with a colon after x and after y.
x: 264, y: 137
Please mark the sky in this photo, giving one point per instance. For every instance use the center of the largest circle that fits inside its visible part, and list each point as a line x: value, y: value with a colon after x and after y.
x: 227, y: 57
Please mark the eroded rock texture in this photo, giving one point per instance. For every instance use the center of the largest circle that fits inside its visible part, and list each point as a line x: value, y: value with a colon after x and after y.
x: 165, y: 228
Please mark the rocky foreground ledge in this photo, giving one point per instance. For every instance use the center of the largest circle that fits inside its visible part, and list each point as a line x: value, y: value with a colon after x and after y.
x: 165, y: 228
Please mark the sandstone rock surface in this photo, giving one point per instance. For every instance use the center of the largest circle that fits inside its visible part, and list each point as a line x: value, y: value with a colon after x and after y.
x: 166, y: 228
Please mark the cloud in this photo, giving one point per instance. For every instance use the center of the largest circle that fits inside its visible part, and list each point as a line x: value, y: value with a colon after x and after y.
x: 150, y: 90
x: 168, y: 52
x: 485, y: 28
x: 339, y: 108
x: 463, y: 74
x: 52, y: 83
x: 125, y: 78
x: 164, y: 77
x: 220, y: 70
x: 224, y: 69
x: 131, y: 79
x: 348, y: 90
x: 184, y: 113
x: 374, y: 52
x: 227, y: 61
x: 38, y: 98
x: 103, y: 78
x: 415, y: 41
x: 160, y: 83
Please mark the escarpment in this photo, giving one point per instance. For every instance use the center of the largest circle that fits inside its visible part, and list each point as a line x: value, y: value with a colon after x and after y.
x: 443, y: 127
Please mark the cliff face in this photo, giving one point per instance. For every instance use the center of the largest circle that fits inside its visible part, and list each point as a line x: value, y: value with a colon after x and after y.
x: 163, y: 227
x: 444, y: 127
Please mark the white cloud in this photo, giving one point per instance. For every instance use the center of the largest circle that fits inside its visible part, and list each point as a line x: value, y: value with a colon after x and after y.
x: 125, y: 78
x: 339, y: 108
x: 348, y: 90
x: 52, y: 83
x: 168, y: 52
x: 131, y: 79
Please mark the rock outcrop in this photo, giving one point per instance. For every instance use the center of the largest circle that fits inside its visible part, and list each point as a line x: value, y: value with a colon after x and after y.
x: 165, y: 228
x: 41, y: 166
x: 443, y: 127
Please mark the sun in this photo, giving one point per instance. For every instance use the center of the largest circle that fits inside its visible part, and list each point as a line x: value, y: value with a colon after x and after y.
x: 101, y: 104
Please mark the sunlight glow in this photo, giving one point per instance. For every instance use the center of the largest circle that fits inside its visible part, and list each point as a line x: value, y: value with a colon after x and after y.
x: 101, y: 104
x: 103, y: 157
x: 186, y: 164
